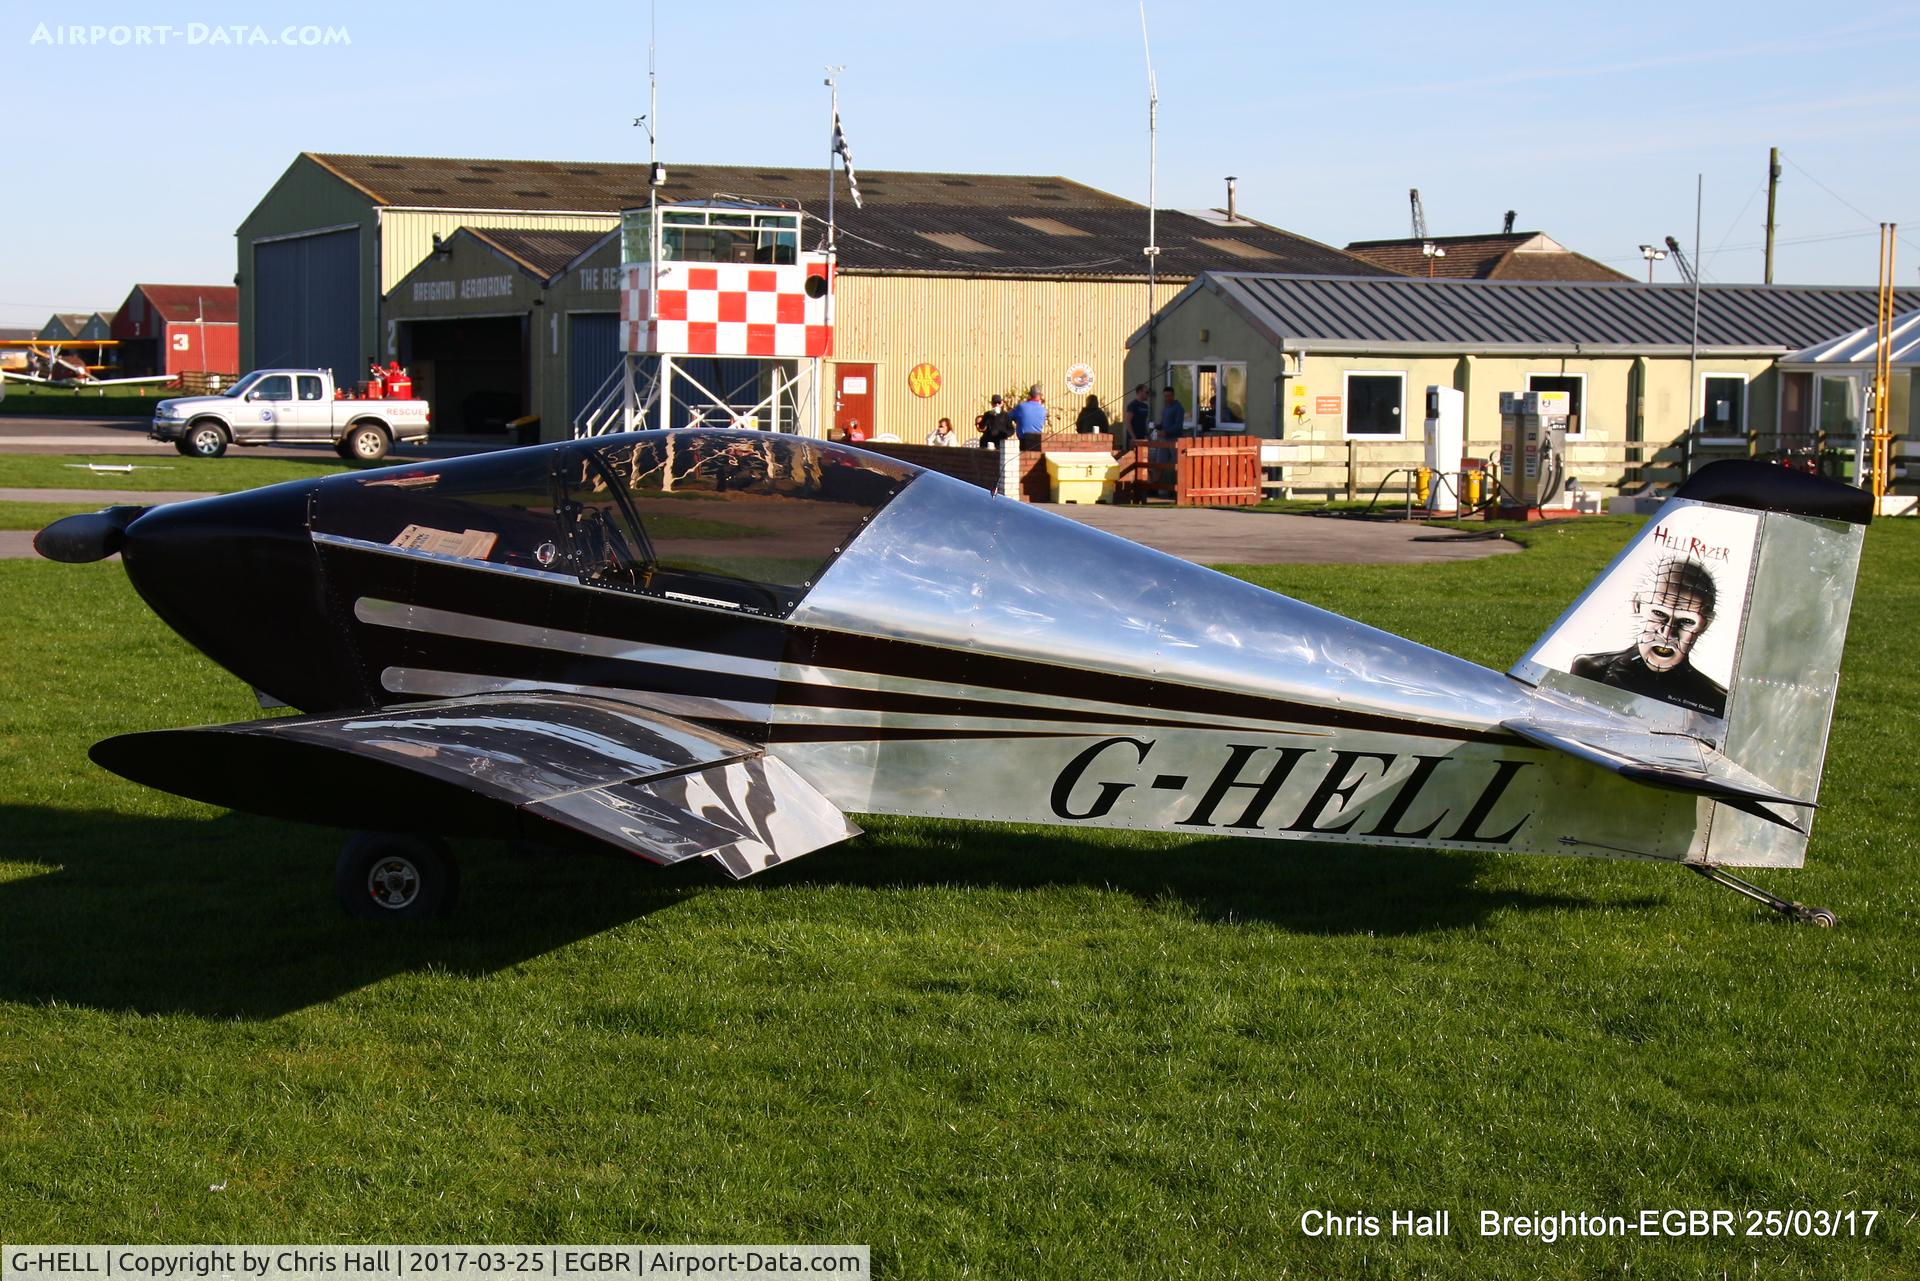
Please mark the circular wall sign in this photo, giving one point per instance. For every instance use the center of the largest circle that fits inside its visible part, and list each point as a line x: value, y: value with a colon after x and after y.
x: 923, y: 380
x: 1079, y: 379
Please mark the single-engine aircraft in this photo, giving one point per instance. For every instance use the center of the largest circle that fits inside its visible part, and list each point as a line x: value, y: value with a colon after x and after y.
x: 719, y: 643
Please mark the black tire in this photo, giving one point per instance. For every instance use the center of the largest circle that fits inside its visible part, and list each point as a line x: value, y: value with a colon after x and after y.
x: 340, y: 448
x: 181, y: 447
x: 366, y: 442
x: 204, y: 440
x: 392, y: 876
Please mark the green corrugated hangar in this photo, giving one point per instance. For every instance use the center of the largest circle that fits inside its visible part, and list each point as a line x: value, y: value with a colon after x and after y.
x: 496, y: 281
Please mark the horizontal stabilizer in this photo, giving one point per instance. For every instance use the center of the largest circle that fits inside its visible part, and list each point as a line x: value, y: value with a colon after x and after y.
x: 1673, y: 761
x: 643, y: 782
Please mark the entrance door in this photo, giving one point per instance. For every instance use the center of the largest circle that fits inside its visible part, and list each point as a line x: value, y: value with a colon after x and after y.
x: 853, y: 401
x: 1796, y: 416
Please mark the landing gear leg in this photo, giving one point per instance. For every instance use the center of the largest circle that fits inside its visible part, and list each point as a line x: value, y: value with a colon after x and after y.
x: 1786, y: 907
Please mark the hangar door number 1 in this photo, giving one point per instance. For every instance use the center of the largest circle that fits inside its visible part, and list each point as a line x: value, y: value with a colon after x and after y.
x: 853, y: 399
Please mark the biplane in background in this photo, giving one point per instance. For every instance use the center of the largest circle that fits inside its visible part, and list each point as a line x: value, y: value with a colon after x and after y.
x: 718, y: 644
x: 50, y: 365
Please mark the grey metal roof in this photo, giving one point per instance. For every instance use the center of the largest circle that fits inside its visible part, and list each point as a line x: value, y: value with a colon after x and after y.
x: 588, y: 186
x: 545, y: 253
x: 1857, y: 347
x: 1327, y: 313
x: 912, y: 223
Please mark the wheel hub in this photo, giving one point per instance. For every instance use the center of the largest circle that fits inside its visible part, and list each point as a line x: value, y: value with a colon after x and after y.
x: 393, y: 883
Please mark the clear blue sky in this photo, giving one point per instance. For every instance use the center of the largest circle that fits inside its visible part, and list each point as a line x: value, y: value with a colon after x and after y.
x: 1591, y: 121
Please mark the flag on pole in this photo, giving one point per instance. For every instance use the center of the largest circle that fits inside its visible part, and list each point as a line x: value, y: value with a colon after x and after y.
x: 841, y: 149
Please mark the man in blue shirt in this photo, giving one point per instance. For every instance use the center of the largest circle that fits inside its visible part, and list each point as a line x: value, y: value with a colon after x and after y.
x: 1173, y: 416
x: 1030, y: 417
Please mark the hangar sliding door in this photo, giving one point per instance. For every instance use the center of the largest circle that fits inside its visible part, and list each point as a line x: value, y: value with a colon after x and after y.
x: 306, y: 303
x: 593, y: 353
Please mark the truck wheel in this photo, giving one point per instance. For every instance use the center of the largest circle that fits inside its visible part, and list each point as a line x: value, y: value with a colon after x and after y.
x: 367, y: 443
x: 204, y: 440
x: 181, y: 447
x: 391, y: 876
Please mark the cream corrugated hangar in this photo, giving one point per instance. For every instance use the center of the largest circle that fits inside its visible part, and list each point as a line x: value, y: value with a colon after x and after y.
x: 949, y: 287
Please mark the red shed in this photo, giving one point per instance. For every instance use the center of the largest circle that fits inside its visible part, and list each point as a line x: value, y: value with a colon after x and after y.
x: 172, y: 329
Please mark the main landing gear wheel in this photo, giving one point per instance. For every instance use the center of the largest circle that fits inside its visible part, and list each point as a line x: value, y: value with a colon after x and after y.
x: 204, y: 440
x: 366, y: 443
x: 391, y: 876
x: 1819, y: 916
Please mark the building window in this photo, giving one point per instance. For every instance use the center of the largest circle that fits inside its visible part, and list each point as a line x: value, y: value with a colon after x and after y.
x: 1723, y: 405
x: 1214, y: 393
x: 1838, y: 399
x: 1376, y: 405
x: 1575, y: 385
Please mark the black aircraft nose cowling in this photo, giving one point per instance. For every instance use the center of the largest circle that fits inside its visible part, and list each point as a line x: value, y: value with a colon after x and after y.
x: 238, y: 577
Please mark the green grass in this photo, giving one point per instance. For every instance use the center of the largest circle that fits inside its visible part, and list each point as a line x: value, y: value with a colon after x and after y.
x: 157, y: 471
x: 39, y: 515
x: 986, y: 1051
x: 26, y: 400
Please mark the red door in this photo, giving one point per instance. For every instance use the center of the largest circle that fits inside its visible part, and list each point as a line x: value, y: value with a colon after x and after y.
x: 853, y: 401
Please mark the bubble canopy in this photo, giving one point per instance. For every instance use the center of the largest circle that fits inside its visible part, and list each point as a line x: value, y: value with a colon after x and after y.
x: 741, y: 520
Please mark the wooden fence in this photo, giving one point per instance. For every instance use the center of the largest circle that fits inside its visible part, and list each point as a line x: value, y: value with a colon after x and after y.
x: 1194, y: 471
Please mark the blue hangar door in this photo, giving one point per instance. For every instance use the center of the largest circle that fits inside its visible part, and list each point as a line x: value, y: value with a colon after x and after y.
x: 593, y: 353
x: 306, y: 304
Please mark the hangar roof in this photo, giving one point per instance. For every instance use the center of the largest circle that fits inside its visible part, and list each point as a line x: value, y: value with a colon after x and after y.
x: 177, y: 303
x: 1515, y: 255
x: 1326, y: 314
x: 910, y: 223
x: 544, y: 253
x: 441, y: 182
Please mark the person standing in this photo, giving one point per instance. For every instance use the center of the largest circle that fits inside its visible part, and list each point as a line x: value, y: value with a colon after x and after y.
x: 1092, y: 418
x: 943, y: 434
x: 995, y: 425
x: 1173, y: 416
x: 1138, y: 417
x: 1030, y: 419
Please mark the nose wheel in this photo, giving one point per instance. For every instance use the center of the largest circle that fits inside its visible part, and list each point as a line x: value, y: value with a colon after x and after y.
x: 395, y: 876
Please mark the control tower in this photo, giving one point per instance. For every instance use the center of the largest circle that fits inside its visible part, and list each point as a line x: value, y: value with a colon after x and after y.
x: 723, y: 319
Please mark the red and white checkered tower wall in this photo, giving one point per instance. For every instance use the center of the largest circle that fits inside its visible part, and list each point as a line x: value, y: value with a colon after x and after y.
x: 675, y: 305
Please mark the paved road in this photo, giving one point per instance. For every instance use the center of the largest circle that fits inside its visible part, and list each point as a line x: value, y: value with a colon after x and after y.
x: 1208, y: 537
x: 1223, y: 536
x: 1217, y: 536
x: 129, y: 436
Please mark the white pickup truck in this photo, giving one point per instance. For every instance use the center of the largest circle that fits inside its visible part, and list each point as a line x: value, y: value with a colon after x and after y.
x: 282, y: 406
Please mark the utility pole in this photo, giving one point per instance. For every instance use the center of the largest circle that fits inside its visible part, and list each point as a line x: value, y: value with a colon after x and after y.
x: 1152, y: 250
x: 1773, y: 187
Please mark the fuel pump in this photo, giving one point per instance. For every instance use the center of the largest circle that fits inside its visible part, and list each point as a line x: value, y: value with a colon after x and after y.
x: 1446, y: 433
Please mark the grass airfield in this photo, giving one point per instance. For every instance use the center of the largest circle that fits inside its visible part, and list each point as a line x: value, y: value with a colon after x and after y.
x: 985, y: 1051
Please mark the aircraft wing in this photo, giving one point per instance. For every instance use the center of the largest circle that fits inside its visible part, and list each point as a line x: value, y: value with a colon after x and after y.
x: 125, y: 382
x: 499, y: 765
x: 1676, y: 761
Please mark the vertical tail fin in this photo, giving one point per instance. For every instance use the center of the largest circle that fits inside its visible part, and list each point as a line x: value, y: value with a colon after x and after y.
x: 1724, y: 620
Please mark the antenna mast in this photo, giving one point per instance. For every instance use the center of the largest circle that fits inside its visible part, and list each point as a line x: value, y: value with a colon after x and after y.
x: 1153, y: 202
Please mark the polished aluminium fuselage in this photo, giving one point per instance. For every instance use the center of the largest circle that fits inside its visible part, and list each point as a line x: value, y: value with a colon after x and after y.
x: 969, y: 657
